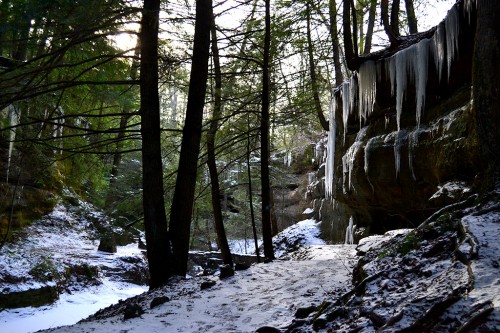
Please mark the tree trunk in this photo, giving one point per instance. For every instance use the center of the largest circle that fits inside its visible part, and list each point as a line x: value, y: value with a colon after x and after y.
x: 412, y: 19
x: 250, y: 193
x: 312, y: 71
x: 395, y: 18
x: 182, y: 202
x: 359, y: 12
x: 264, y: 127
x: 384, y: 14
x: 211, y: 162
x: 155, y: 220
x: 486, y: 89
x: 371, y: 23
x: 339, y: 77
x: 348, y: 45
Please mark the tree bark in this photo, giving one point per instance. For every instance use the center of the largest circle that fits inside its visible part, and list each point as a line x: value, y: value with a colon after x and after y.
x: 182, y: 202
x: 312, y: 71
x: 486, y: 89
x: 155, y: 220
x: 395, y: 17
x: 412, y: 19
x: 211, y: 162
x: 348, y: 45
x: 339, y: 77
x: 384, y: 14
x: 371, y: 23
x: 250, y: 194
x: 264, y: 127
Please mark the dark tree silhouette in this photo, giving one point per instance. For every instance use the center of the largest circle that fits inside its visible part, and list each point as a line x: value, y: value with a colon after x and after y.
x: 155, y: 220
x: 182, y: 203
x: 264, y: 128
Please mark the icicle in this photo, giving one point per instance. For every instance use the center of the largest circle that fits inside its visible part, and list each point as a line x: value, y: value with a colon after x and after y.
x: 346, y: 104
x: 439, y: 39
x: 330, y: 158
x: 349, y: 232
x: 14, y: 115
x: 469, y: 6
x: 421, y: 75
x: 405, y: 72
x: 390, y: 69
x: 318, y: 152
x: 287, y: 159
x: 350, y: 155
x: 398, y: 141
x: 344, y: 171
x: 367, y: 88
x: 310, y: 178
x: 412, y: 143
x: 368, y: 149
x: 58, y: 127
x: 452, y: 29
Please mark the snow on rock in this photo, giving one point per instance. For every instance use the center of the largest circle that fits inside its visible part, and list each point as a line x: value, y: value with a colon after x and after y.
x: 300, y: 234
x: 374, y: 242
x: 443, y: 276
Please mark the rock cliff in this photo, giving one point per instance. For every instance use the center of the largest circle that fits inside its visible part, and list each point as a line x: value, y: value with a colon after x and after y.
x: 401, y: 128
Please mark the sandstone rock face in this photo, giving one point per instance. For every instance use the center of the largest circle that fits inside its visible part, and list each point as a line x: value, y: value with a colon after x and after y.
x: 368, y: 188
x: 389, y: 161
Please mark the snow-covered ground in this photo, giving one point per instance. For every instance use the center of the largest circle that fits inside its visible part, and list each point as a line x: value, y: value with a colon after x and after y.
x: 264, y: 294
x: 63, y: 239
x: 69, y: 309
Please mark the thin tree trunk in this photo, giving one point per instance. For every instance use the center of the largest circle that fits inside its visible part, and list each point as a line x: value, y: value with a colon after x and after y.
x: 211, y: 162
x: 361, y: 25
x: 486, y: 89
x: 183, y: 200
x: 371, y: 23
x: 264, y: 127
x: 250, y: 194
x: 412, y: 19
x: 155, y: 220
x: 332, y: 8
x: 354, y: 29
x: 312, y: 71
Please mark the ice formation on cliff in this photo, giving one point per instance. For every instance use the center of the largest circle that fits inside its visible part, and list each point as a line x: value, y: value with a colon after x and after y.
x: 406, y: 68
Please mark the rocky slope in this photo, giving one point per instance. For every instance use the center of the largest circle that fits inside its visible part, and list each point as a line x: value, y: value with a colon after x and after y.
x: 440, y: 277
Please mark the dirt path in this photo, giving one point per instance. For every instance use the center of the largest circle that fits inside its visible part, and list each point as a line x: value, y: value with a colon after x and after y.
x: 265, y: 294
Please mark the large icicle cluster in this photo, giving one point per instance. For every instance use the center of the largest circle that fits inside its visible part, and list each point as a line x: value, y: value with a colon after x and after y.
x: 330, y: 151
x: 404, y: 68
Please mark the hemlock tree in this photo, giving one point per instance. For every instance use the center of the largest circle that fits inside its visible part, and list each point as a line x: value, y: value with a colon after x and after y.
x: 211, y: 160
x: 264, y: 128
x: 155, y: 221
x: 182, y: 203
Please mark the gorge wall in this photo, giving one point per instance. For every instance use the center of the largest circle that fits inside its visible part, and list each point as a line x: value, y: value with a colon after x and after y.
x: 400, y: 128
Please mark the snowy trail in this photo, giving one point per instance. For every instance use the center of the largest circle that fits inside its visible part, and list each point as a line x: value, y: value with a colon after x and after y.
x: 264, y: 295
